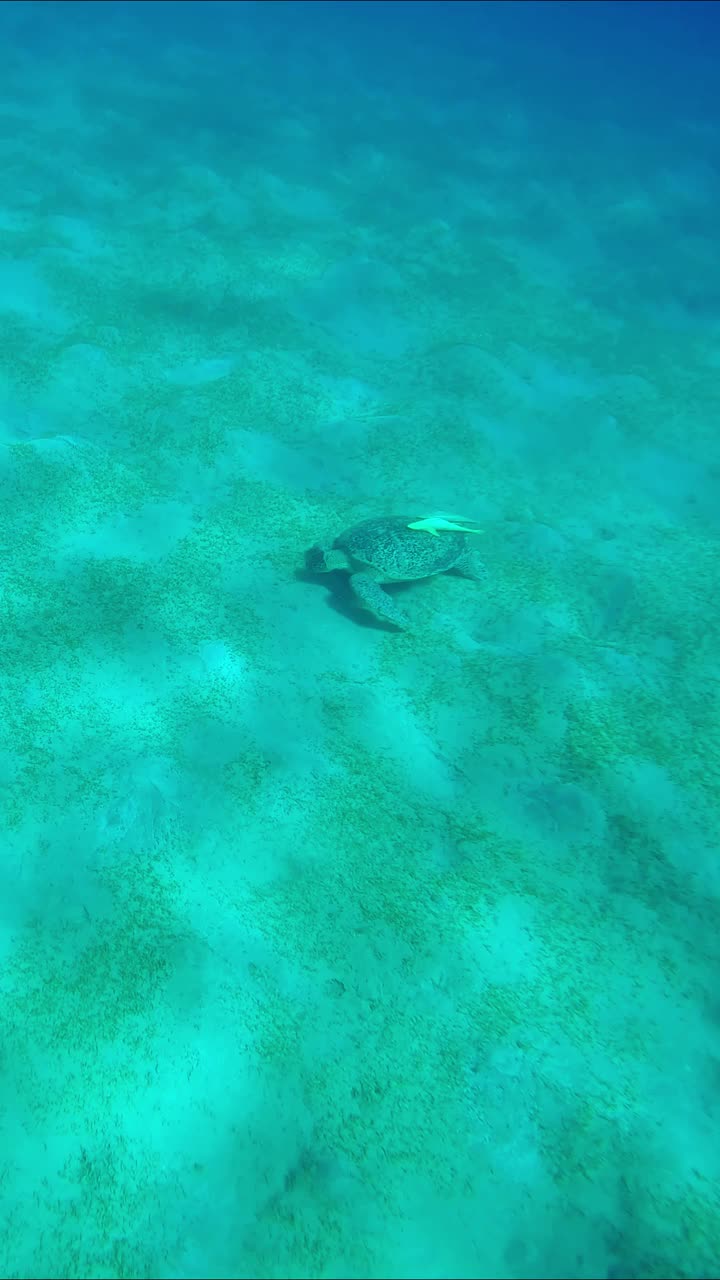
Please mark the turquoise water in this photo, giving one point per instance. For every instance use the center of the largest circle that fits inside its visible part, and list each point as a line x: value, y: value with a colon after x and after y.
x: 331, y: 948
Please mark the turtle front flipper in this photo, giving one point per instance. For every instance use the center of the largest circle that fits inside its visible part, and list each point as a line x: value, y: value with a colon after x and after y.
x: 371, y: 596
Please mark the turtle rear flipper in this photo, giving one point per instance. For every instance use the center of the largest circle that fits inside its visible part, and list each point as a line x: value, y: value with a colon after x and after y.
x: 371, y: 596
x: 470, y: 566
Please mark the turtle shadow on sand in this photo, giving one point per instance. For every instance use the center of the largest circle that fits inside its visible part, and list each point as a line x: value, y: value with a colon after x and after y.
x: 396, y: 550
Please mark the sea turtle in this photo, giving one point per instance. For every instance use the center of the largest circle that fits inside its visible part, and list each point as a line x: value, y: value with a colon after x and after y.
x: 395, y: 549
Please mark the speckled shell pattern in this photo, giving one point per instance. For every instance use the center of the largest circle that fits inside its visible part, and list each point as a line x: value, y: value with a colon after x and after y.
x: 399, y: 553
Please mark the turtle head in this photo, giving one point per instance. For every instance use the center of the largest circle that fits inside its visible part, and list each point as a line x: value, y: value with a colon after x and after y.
x: 316, y: 559
x: 324, y: 559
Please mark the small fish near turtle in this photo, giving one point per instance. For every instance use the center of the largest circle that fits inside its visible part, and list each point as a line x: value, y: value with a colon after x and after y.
x: 397, y: 549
